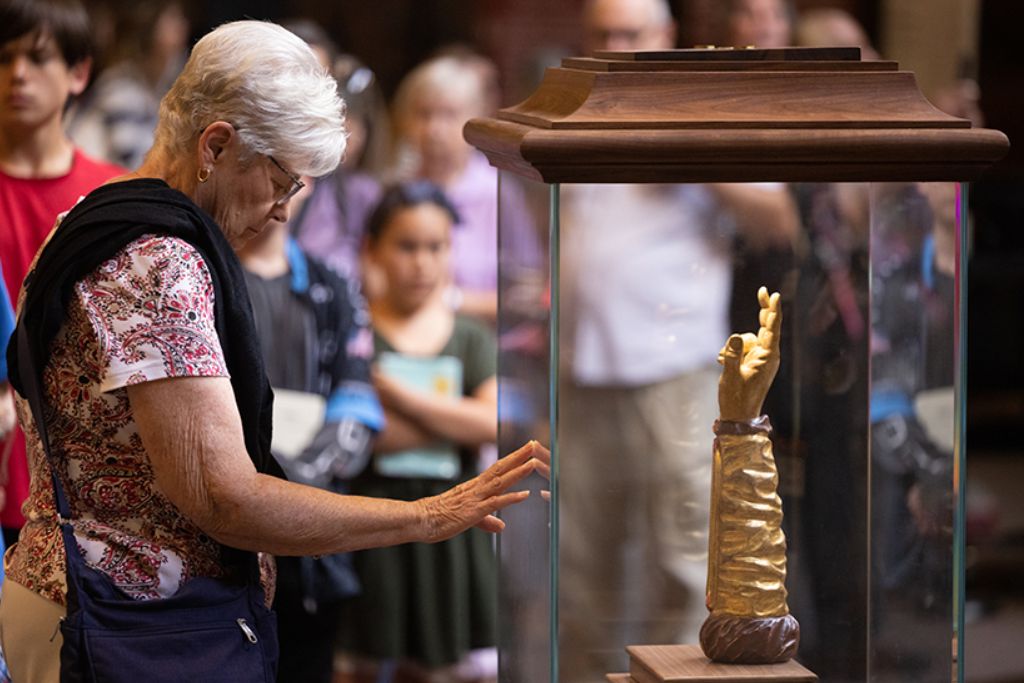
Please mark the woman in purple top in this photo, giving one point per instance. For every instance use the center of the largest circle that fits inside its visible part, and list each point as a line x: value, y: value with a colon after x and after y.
x: 431, y: 106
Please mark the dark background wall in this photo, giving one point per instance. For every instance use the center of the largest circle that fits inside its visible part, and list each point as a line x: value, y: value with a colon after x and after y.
x: 996, y: 369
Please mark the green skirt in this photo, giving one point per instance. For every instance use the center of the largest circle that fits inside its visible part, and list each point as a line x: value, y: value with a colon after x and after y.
x: 430, y: 603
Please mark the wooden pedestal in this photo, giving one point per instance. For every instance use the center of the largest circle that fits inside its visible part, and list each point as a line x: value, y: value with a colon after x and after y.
x: 687, y: 664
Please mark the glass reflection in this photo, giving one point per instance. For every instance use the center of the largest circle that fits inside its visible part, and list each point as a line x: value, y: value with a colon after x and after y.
x: 607, y: 349
x: 913, y: 307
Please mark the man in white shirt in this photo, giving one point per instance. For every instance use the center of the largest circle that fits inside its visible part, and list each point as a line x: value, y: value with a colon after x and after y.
x: 646, y: 280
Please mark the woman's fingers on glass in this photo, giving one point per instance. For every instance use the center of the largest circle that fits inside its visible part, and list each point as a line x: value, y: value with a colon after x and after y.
x: 513, y: 459
x: 544, y: 469
x: 491, y: 524
x: 490, y: 490
x: 519, y: 473
x: 490, y: 485
x: 516, y: 466
x: 541, y: 453
x: 504, y: 500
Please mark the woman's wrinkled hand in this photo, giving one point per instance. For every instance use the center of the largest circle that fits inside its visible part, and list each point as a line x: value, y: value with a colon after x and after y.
x: 474, y: 502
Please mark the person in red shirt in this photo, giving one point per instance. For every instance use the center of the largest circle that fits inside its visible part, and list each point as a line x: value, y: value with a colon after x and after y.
x: 45, y: 58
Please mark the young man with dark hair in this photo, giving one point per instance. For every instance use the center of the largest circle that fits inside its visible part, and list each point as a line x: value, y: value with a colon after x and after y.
x: 45, y: 57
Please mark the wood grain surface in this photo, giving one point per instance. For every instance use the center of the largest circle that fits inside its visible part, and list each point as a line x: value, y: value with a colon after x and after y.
x: 592, y: 64
x: 687, y: 664
x: 650, y: 118
x: 730, y: 54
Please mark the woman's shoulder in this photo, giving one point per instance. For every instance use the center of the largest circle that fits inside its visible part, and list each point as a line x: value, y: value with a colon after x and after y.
x: 153, y: 259
x: 161, y: 247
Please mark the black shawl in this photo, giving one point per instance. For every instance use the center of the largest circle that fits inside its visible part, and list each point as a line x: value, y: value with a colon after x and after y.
x: 106, y: 221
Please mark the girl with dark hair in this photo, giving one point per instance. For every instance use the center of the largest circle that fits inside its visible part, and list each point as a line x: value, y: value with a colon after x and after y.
x: 428, y: 607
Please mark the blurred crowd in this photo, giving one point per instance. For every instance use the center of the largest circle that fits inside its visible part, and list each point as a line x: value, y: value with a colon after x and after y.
x: 380, y: 296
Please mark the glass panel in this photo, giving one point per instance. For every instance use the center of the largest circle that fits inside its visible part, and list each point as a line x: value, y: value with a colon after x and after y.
x: 654, y: 278
x: 643, y: 311
x: 915, y: 228
x: 525, y: 600
x: 818, y: 406
x: 963, y: 251
x: 618, y: 375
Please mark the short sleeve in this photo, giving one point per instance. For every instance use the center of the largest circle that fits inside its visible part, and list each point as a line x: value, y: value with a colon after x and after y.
x: 151, y: 307
x: 479, y: 354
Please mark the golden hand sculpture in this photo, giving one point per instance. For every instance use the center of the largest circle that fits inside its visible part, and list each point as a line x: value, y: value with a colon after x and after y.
x: 749, y: 364
x: 746, y: 593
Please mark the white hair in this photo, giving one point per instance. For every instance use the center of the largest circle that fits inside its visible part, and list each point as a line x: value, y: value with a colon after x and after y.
x: 446, y: 74
x: 268, y: 84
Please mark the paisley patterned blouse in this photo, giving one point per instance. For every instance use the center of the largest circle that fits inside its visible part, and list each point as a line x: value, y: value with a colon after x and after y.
x: 144, y: 315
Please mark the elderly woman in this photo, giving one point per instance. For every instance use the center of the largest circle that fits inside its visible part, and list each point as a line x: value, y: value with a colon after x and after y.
x: 157, y: 401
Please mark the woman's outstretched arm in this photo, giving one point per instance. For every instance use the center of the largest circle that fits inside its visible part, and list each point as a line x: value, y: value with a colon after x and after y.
x: 191, y: 429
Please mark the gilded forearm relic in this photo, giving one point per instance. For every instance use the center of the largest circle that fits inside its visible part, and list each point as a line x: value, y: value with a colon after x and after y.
x: 750, y: 621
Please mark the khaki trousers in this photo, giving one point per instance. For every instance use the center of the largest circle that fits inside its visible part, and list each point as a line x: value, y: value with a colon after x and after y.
x: 634, y: 487
x: 30, y: 634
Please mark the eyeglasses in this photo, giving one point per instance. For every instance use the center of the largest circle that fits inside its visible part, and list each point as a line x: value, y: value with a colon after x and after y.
x: 293, y: 189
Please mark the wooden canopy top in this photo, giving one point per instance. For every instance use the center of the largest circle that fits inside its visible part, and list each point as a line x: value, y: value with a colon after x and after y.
x: 725, y: 115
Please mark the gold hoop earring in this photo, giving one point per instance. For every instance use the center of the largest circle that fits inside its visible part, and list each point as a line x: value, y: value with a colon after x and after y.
x: 203, y: 174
